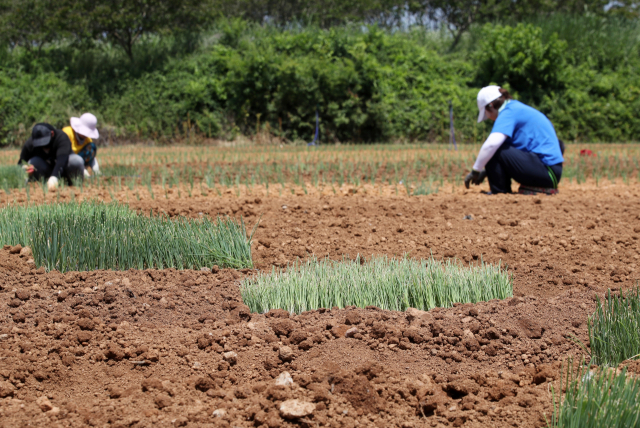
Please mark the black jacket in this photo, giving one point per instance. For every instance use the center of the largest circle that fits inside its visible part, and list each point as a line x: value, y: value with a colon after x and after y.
x: 59, y: 151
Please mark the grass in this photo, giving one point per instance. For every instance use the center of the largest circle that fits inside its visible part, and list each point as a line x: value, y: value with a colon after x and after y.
x: 605, y: 397
x: 412, y: 169
x: 394, y: 284
x: 425, y: 189
x: 11, y: 177
x: 600, y: 398
x: 614, y: 329
x: 120, y: 170
x: 92, y: 235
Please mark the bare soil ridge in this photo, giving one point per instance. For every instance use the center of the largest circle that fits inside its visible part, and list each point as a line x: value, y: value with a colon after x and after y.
x: 178, y: 348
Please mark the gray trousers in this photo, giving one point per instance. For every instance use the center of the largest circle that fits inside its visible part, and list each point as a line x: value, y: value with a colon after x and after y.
x: 73, y: 169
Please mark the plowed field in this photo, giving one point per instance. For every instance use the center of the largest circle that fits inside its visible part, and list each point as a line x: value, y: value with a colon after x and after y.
x: 179, y: 348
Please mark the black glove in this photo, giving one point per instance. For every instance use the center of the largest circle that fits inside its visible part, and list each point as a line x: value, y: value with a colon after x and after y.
x: 475, y: 177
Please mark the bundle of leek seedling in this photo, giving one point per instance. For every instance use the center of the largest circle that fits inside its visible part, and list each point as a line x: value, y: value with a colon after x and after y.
x: 614, y: 329
x: 91, y: 235
x: 12, y: 177
x: 395, y: 284
x: 594, y: 399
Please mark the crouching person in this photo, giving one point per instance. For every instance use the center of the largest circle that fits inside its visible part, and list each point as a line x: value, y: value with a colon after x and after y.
x: 47, y: 155
x: 522, y: 146
x: 82, y: 132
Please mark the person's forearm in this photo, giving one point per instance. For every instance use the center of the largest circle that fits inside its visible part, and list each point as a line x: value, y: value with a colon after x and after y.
x: 488, y: 149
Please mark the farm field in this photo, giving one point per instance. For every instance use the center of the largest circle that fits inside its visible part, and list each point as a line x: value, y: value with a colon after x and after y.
x: 171, y: 347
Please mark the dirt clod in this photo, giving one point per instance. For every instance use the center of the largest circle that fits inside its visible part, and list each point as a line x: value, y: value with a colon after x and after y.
x: 86, y: 324
x: 286, y: 353
x: 230, y: 357
x: 23, y: 294
x: 6, y: 389
x: 162, y: 401
x: 295, y: 409
x: 44, y: 403
x: 284, y: 379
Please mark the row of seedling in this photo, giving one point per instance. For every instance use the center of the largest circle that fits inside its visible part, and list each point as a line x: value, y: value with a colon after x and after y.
x: 608, y: 160
x: 417, y: 169
x: 608, y: 156
x: 440, y: 167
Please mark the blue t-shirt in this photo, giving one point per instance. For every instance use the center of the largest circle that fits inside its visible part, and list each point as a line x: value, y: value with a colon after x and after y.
x: 530, y: 131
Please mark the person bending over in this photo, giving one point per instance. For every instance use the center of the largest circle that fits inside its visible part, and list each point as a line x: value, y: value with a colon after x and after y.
x: 522, y: 146
x: 47, y: 155
x: 82, y: 132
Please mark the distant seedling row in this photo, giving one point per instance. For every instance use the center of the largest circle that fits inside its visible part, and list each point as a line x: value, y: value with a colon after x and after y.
x: 413, y: 170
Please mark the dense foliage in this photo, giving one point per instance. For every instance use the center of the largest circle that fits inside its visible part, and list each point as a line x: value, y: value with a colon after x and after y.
x: 124, y: 22
x: 367, y: 83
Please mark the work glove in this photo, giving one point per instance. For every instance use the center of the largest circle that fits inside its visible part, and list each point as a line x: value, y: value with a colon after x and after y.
x: 28, y: 168
x: 475, y: 177
x: 52, y: 183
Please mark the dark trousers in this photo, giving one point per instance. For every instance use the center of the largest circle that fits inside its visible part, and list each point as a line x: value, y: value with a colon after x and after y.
x: 73, y: 169
x: 525, y: 168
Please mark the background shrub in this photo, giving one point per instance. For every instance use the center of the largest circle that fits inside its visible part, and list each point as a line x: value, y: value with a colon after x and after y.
x: 534, y: 68
x: 368, y: 83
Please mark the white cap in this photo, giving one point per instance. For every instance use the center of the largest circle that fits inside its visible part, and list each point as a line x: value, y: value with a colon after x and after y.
x: 485, y: 96
x: 85, y: 125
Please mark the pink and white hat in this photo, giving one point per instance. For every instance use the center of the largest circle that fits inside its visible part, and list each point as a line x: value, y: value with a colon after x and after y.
x: 85, y: 125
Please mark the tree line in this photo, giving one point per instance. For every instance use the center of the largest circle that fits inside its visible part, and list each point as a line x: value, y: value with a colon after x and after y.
x: 373, y: 70
x: 31, y: 24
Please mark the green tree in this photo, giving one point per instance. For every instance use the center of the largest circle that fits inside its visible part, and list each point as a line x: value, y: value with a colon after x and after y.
x: 458, y: 16
x: 31, y: 23
x: 124, y: 22
x: 626, y: 8
x: 323, y: 13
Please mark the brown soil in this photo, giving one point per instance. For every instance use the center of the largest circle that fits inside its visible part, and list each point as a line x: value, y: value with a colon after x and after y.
x: 178, y: 348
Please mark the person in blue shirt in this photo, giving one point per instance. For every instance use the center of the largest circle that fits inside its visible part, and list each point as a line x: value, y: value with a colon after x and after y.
x: 522, y: 146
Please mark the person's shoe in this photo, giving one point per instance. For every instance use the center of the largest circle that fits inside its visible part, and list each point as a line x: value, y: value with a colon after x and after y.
x: 530, y: 190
